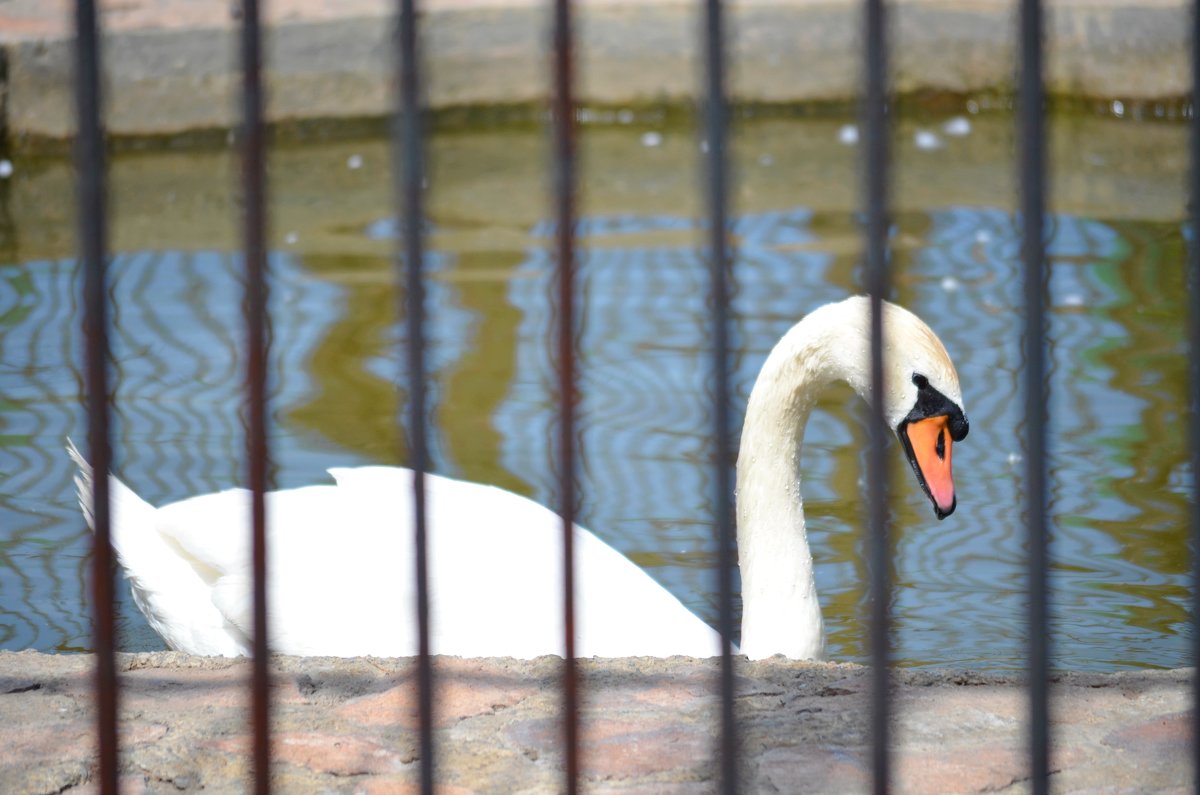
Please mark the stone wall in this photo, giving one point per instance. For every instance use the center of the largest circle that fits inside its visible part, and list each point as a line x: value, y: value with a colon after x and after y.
x: 171, y: 64
x: 648, y: 725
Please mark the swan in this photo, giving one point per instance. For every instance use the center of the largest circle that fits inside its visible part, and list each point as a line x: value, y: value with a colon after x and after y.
x: 340, y: 557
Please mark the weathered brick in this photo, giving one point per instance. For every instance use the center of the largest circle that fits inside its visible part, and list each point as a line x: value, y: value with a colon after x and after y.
x: 337, y: 754
x: 456, y: 699
x: 647, y: 726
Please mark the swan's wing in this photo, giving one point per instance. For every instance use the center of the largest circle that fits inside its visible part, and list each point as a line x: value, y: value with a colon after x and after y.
x: 315, y: 562
x: 501, y: 555
x: 624, y: 612
x: 210, y: 532
x: 341, y: 578
x: 494, y: 557
x: 495, y: 569
x: 342, y: 585
x: 213, y: 530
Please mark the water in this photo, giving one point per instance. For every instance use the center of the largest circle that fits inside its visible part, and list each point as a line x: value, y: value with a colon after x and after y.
x: 1119, y: 471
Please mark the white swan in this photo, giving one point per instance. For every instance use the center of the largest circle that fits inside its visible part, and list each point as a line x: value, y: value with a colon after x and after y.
x: 340, y: 580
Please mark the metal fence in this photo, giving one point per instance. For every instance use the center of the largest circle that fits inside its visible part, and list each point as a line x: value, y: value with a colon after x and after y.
x: 408, y: 141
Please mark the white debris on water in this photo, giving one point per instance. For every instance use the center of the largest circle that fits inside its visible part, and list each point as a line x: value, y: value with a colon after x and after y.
x: 291, y: 238
x: 652, y: 139
x: 6, y: 169
x: 949, y: 284
x: 848, y: 135
x: 354, y: 162
x: 957, y: 127
x: 1118, y: 108
x: 927, y: 140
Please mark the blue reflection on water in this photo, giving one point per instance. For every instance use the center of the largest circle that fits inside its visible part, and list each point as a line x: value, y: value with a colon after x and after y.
x: 646, y: 460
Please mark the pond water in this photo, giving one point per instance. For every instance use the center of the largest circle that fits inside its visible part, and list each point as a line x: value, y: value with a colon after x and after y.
x: 1119, y: 472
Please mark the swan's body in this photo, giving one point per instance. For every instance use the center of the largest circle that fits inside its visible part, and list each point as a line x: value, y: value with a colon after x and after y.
x: 340, y: 556
x: 341, y: 582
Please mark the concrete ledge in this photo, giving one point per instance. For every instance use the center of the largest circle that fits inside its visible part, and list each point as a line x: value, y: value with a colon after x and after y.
x: 171, y: 64
x: 648, y: 726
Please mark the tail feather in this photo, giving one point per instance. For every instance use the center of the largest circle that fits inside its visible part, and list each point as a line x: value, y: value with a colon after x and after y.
x: 165, y: 583
x: 129, y: 512
x: 83, y: 483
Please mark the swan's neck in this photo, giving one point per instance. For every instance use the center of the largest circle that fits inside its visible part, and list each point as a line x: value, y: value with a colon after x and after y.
x: 781, y: 614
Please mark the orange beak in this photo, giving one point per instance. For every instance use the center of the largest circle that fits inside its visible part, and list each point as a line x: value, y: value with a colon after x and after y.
x: 928, y: 445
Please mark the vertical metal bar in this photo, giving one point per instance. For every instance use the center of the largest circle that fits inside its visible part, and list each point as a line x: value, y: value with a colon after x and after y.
x: 1193, y: 286
x: 720, y: 267
x: 876, y: 181
x: 1031, y: 136
x: 563, y: 112
x: 254, y: 241
x: 409, y: 172
x: 93, y: 247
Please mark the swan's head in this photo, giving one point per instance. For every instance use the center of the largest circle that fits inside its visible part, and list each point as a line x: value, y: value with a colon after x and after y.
x: 922, y: 401
x: 923, y: 404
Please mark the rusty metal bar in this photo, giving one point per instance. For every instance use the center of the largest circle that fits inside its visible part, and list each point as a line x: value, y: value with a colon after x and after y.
x: 254, y: 242
x: 409, y: 173
x: 876, y: 183
x: 93, y: 251
x: 1031, y: 140
x: 563, y: 169
x: 1193, y: 285
x: 720, y: 274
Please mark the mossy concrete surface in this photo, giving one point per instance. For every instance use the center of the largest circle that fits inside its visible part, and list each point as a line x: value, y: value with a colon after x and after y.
x: 648, y: 725
x: 171, y: 65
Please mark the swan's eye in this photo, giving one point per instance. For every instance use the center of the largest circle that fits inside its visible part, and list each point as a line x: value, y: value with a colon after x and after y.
x: 941, y: 446
x: 921, y: 381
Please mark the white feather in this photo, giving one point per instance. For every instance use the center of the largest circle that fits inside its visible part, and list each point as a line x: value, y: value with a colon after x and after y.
x: 341, y: 564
